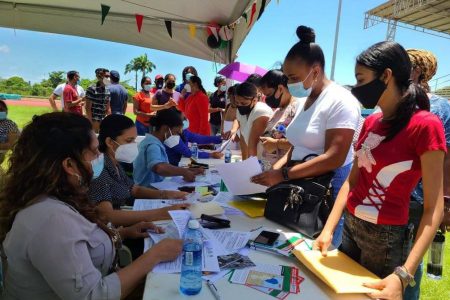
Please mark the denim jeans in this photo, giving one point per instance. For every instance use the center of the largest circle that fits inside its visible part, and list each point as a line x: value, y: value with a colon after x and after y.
x: 379, y: 248
x: 141, y: 128
x: 340, y: 175
x: 415, y: 215
x: 215, y: 129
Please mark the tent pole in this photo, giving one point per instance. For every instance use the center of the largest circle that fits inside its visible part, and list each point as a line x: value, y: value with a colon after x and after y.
x: 336, y: 37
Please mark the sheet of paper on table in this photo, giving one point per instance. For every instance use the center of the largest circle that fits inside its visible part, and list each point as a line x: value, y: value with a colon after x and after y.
x: 337, y: 270
x: 237, y: 176
x: 230, y: 241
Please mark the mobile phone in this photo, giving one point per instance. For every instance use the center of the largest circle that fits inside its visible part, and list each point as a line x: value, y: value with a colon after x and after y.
x: 267, y: 238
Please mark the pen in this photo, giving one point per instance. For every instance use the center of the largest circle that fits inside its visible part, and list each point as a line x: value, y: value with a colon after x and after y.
x: 213, y: 289
x: 256, y: 228
x: 256, y: 247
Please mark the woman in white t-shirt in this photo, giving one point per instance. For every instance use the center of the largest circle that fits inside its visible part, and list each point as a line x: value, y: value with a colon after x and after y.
x: 324, y: 123
x: 253, y: 117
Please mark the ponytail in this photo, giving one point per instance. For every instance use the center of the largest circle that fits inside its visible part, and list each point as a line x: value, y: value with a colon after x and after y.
x: 414, y: 98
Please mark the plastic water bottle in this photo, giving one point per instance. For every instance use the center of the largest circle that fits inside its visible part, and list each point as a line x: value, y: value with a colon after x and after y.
x: 194, y: 151
x: 436, y: 256
x: 191, y: 267
x: 228, y: 155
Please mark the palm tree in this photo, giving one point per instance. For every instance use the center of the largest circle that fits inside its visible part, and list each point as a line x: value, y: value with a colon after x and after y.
x: 140, y: 63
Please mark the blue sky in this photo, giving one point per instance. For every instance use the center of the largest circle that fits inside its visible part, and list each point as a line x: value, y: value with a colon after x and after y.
x: 33, y: 55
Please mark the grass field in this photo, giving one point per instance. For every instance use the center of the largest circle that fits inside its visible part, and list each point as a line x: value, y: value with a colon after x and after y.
x: 430, y: 289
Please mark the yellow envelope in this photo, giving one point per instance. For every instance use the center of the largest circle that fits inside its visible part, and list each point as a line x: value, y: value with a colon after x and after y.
x: 252, y: 208
x: 337, y: 270
x: 207, y: 208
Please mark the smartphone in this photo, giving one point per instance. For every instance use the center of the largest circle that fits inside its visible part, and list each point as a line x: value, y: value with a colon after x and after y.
x: 267, y: 238
x: 187, y: 189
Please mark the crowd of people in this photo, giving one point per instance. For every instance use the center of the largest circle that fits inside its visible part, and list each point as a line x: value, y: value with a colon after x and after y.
x: 71, y: 173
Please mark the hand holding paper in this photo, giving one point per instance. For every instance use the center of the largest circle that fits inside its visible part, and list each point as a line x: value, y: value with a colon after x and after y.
x: 237, y: 176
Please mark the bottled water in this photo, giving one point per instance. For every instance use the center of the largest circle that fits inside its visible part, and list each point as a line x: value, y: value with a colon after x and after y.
x: 194, y: 151
x: 227, y: 155
x: 436, y: 256
x: 191, y: 267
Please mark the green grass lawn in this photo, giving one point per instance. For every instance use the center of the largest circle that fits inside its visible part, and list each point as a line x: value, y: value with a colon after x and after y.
x: 430, y: 289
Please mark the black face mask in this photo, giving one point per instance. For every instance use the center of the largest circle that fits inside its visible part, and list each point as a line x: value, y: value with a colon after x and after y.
x: 245, y: 110
x: 170, y: 85
x: 273, y: 101
x: 370, y: 93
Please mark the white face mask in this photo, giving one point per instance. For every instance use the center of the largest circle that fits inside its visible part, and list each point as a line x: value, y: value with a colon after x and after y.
x: 126, y: 153
x: 172, y: 140
x: 187, y: 87
x: 106, y: 81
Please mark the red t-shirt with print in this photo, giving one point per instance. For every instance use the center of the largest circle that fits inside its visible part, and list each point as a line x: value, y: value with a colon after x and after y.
x: 389, y: 171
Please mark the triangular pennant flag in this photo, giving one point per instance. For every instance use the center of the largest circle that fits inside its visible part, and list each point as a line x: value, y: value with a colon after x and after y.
x: 261, y: 10
x: 192, y: 30
x: 169, y: 27
x: 245, y: 17
x: 105, y: 11
x: 139, y: 19
x: 253, y: 14
x: 214, y: 32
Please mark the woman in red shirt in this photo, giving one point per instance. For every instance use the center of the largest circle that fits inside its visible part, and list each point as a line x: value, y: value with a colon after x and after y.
x: 395, y: 148
x: 141, y: 106
x: 196, y: 108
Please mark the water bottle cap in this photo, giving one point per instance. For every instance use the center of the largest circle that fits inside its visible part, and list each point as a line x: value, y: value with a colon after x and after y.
x: 193, y: 224
x: 439, y: 237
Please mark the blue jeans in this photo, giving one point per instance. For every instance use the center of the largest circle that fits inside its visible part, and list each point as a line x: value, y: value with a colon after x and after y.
x: 413, y: 293
x: 340, y: 175
x: 141, y: 128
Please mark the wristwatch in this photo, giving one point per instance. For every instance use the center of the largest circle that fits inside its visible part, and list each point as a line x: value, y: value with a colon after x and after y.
x: 405, y: 277
x: 285, y: 172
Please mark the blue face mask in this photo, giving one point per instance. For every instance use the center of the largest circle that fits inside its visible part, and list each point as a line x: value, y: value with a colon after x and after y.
x: 97, y: 166
x: 185, y: 124
x: 3, y: 115
x: 298, y: 89
x: 188, y: 76
x: 78, y: 82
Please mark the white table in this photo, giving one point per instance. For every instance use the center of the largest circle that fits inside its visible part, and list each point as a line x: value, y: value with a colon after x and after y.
x: 166, y: 286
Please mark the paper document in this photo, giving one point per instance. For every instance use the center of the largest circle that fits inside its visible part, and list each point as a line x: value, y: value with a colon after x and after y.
x: 252, y: 208
x: 224, y: 145
x: 209, y: 256
x: 223, y: 198
x: 146, y: 204
x: 237, y: 176
x: 337, y: 270
x: 232, y: 241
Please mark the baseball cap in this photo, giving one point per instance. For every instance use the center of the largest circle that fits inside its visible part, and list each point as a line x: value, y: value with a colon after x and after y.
x: 159, y: 76
x: 114, y: 75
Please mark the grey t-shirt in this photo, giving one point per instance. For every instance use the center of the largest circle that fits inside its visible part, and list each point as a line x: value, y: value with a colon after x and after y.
x: 53, y: 252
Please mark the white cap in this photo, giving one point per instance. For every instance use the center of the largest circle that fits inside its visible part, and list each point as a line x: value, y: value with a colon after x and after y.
x: 193, y: 224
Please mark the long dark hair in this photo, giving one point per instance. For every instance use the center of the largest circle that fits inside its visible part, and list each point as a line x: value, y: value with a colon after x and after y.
x: 382, y: 56
x: 306, y: 49
x: 35, y: 166
x: 198, y: 81
x: 111, y: 127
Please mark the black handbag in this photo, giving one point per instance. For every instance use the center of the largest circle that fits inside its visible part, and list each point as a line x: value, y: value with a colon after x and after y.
x: 302, y: 204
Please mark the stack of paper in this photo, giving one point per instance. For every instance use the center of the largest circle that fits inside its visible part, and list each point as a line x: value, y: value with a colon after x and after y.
x: 337, y: 270
x: 276, y: 281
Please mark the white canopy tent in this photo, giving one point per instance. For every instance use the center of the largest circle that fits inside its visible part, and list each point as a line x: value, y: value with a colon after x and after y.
x: 83, y: 18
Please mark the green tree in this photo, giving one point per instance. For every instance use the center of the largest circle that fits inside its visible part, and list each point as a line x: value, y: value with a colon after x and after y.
x: 54, y: 78
x: 139, y: 64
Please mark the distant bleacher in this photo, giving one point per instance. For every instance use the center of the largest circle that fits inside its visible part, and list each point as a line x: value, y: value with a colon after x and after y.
x: 443, y: 92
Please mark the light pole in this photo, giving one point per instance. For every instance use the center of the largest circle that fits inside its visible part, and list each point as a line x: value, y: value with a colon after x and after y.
x: 336, y: 37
